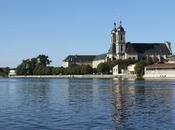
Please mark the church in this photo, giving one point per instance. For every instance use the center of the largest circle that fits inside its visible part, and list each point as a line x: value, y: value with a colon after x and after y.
x: 120, y: 49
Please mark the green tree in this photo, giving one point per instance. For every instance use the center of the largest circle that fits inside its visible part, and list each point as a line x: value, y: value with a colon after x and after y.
x: 86, y: 69
x: 28, y: 66
x: 24, y: 68
x: 32, y: 65
x: 41, y: 70
x: 56, y: 71
x: 103, y: 68
x: 43, y: 60
x: 140, y: 66
x: 4, y: 71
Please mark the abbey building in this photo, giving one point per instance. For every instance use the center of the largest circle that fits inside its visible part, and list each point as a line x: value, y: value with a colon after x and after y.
x: 120, y: 49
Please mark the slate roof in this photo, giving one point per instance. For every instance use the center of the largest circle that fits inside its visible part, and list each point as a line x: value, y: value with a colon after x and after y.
x: 79, y: 58
x: 147, y: 48
x: 100, y: 57
x: 161, y: 66
x: 84, y: 58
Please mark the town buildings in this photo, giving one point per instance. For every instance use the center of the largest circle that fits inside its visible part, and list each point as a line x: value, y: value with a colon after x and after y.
x: 120, y: 49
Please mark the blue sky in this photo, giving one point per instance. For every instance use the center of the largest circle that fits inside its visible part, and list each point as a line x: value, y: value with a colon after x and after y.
x: 58, y: 28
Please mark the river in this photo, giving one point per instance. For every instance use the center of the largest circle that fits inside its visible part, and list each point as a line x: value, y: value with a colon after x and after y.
x: 86, y: 104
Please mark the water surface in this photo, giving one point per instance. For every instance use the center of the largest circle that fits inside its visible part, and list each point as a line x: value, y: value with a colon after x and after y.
x: 85, y: 104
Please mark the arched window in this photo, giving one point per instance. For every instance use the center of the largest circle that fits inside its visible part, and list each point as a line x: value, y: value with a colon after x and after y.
x: 121, y: 48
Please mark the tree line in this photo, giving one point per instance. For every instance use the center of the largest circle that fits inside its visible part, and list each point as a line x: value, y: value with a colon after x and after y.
x: 40, y: 66
x: 4, y: 71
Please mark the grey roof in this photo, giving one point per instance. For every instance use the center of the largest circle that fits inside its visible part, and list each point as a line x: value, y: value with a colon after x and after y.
x: 79, y: 58
x: 147, y: 48
x: 162, y: 65
x: 100, y: 57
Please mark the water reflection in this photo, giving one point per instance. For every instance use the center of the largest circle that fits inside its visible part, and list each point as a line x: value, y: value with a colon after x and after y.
x: 120, y: 93
x: 80, y: 94
x: 86, y: 104
x: 143, y: 104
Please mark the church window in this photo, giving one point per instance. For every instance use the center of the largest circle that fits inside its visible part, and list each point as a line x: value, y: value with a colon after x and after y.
x: 133, y: 58
x: 121, y: 37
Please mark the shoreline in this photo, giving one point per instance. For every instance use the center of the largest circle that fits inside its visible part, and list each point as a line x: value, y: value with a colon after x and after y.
x: 65, y: 76
x: 122, y: 76
x: 106, y: 76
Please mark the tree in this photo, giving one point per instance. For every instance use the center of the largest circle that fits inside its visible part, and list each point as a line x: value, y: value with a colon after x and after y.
x: 4, y: 71
x: 28, y: 66
x: 103, y: 68
x: 24, y: 68
x: 32, y: 64
x: 140, y: 66
x: 41, y: 70
x: 86, y: 69
x: 56, y: 71
x: 43, y: 60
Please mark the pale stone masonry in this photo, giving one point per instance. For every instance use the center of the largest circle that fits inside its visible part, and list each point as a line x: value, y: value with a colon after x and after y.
x: 120, y: 49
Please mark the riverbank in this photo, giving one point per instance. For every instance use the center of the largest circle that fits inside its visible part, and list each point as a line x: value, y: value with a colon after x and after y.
x: 64, y: 76
x: 76, y: 76
x: 123, y: 76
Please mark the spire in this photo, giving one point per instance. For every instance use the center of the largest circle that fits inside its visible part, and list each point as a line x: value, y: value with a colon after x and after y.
x: 120, y: 28
x: 120, y: 23
x: 114, y: 24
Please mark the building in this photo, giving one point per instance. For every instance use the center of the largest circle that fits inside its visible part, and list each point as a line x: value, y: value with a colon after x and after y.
x: 78, y: 59
x: 160, y: 70
x: 131, y: 69
x: 12, y: 72
x: 120, y: 49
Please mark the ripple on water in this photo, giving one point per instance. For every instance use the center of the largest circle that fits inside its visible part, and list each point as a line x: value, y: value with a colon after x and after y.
x: 98, y: 104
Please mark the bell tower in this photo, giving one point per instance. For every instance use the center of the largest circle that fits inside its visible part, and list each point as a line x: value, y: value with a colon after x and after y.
x: 120, y: 42
x: 111, y: 55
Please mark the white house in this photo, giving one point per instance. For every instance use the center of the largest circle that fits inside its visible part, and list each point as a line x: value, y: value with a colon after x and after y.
x: 12, y: 72
x: 115, y: 70
x: 131, y: 69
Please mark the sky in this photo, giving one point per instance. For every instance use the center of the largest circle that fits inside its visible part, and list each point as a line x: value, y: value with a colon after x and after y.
x: 58, y: 28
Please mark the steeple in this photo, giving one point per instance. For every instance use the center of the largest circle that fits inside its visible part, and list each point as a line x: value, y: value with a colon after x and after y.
x: 120, y: 23
x: 114, y: 24
x: 114, y: 30
x: 120, y: 41
x: 120, y: 28
x: 117, y: 47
